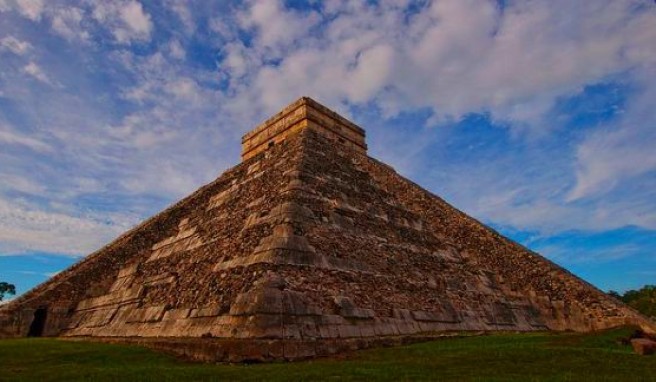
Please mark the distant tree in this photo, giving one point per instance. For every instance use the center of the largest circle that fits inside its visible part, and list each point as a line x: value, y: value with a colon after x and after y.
x: 642, y: 300
x: 615, y: 294
x: 6, y: 288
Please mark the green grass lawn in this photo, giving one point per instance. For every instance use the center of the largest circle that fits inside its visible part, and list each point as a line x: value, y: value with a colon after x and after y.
x: 499, y: 357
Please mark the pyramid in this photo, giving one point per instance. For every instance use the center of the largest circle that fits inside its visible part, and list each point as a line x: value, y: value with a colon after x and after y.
x: 308, y: 247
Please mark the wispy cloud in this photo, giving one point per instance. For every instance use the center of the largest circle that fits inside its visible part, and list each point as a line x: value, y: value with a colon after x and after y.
x: 15, y: 45
x: 26, y: 228
x: 620, y: 151
x: 9, y: 137
x: 568, y: 255
x: 35, y: 71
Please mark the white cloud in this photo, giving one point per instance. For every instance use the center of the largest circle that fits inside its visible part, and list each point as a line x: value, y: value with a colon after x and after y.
x: 184, y: 88
x: 30, y: 228
x: 136, y: 19
x: 127, y: 20
x: 15, y: 45
x: 276, y: 26
x: 176, y: 50
x: 36, y: 72
x: 454, y: 56
x: 7, y: 136
x: 31, y: 9
x: 67, y: 22
x: 610, y: 156
x: 181, y: 9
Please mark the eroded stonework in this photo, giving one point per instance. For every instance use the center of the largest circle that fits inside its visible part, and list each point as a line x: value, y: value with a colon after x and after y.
x: 309, y: 244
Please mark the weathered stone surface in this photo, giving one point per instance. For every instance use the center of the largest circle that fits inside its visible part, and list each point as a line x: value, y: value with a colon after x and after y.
x: 309, y: 247
x: 643, y: 346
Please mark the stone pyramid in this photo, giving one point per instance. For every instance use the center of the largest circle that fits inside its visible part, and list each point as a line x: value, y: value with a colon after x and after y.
x: 308, y: 247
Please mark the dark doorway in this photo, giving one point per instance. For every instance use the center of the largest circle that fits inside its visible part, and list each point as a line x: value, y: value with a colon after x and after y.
x: 38, y: 323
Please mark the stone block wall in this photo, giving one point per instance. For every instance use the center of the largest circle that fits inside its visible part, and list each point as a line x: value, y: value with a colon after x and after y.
x: 303, y: 114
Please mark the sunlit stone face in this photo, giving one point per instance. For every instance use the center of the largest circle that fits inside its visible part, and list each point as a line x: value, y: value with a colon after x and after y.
x: 304, y: 113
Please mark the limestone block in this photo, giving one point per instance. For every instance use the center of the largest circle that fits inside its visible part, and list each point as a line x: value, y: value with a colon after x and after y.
x: 290, y: 211
x: 291, y: 243
x: 181, y: 235
x: 348, y: 331
x: 402, y: 314
x: 264, y: 326
x: 359, y: 313
x: 534, y: 317
x: 332, y: 319
x: 121, y: 283
x: 185, y: 240
x: 255, y: 167
x: 348, y: 310
x: 421, y: 315
x: 261, y: 300
x: 292, y: 331
x: 176, y: 314
x: 75, y: 320
x: 283, y: 237
x: 100, y: 317
x: 329, y: 331
x: 296, y: 303
x: 308, y: 327
x: 497, y: 313
x: 367, y: 330
x: 128, y: 270
x: 643, y: 346
x: 405, y: 327
x: 222, y: 197
x: 151, y: 314
x: 123, y: 296
x: 207, y: 311
x: 385, y: 327
x: 159, y: 280
x: 297, y: 350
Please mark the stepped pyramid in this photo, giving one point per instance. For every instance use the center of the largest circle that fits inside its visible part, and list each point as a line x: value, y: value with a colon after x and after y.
x: 308, y: 247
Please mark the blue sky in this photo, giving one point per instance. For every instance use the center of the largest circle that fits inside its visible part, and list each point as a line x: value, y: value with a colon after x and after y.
x: 536, y: 117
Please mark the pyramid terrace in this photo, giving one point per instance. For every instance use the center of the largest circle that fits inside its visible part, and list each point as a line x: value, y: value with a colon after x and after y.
x: 307, y: 248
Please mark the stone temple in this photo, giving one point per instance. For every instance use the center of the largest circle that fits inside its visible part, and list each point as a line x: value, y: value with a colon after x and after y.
x: 308, y: 247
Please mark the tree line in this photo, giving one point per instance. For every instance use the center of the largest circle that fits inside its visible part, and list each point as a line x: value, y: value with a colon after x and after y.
x: 643, y: 300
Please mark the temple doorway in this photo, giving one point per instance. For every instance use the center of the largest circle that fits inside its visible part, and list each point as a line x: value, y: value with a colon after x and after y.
x: 38, y: 323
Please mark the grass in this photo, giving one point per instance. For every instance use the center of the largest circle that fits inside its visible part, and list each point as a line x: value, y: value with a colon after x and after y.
x: 499, y: 357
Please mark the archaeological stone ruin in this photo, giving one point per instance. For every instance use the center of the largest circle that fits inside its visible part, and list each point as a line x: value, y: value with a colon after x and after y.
x: 308, y: 247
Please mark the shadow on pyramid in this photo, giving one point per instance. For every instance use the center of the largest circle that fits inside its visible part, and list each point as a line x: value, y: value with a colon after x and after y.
x: 308, y: 247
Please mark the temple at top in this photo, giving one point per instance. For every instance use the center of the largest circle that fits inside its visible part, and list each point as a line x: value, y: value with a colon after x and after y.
x: 304, y: 113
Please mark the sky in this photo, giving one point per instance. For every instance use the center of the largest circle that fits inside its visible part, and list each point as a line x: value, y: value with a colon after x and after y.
x: 536, y: 117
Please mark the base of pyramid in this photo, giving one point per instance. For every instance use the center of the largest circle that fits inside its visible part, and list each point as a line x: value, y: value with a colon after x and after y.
x: 230, y: 350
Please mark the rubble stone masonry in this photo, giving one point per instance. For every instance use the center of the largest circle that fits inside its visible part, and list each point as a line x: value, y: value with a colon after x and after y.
x: 309, y: 247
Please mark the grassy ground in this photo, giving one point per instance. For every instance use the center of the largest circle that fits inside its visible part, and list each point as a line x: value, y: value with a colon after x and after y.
x: 501, y: 357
